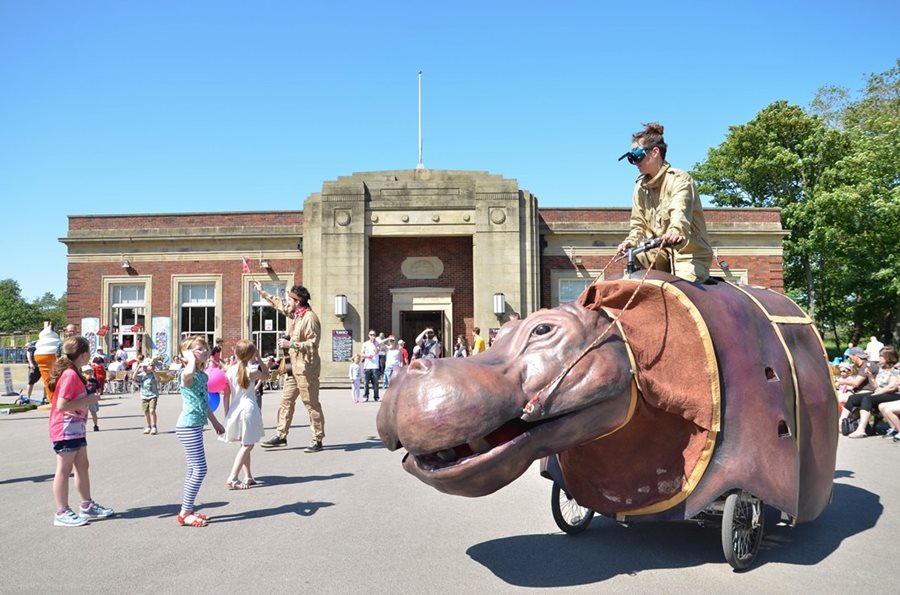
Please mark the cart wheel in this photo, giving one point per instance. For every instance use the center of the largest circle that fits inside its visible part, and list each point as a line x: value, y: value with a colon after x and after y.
x: 743, y: 523
x: 568, y: 514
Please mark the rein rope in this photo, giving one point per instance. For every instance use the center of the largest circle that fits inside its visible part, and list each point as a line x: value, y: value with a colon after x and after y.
x: 535, y: 405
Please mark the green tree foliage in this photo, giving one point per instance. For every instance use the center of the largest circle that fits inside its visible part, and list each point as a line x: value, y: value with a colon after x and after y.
x: 17, y: 314
x: 835, y: 173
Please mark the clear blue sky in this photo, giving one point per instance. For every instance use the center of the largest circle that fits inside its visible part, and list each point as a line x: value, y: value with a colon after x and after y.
x: 161, y: 106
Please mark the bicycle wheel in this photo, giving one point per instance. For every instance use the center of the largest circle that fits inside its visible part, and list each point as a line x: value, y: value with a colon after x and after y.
x: 743, y: 524
x: 570, y: 516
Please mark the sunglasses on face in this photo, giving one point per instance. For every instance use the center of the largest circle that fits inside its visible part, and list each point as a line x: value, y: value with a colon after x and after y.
x: 635, y: 155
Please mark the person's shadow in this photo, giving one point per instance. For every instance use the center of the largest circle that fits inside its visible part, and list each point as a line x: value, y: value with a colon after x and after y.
x: 607, y: 550
x: 304, y: 509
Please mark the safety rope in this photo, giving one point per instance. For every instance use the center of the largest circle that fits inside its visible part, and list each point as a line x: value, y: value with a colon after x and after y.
x: 534, y: 406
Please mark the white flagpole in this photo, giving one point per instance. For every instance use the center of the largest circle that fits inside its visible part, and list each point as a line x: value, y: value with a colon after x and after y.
x: 420, y: 165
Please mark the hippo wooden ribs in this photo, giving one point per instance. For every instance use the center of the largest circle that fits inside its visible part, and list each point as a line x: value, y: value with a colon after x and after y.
x: 694, y: 391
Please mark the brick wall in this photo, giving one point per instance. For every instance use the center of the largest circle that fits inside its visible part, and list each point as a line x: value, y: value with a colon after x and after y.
x: 764, y: 271
x: 84, y: 288
x: 387, y: 254
x: 714, y: 215
x: 183, y: 220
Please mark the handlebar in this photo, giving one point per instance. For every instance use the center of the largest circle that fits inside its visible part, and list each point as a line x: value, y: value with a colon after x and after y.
x: 631, y: 253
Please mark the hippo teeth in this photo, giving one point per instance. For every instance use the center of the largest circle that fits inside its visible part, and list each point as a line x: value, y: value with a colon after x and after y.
x: 448, y: 455
x: 479, y: 445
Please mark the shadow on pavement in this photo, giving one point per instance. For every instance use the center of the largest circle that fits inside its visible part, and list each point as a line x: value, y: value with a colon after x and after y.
x: 34, y: 479
x: 608, y: 550
x: 279, y: 480
x: 162, y: 511
x: 298, y: 508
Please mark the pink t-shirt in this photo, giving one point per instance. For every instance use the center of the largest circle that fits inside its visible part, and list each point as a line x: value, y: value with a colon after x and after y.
x: 66, y: 425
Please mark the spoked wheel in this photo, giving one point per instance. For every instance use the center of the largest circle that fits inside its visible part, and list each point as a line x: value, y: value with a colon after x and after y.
x: 568, y: 514
x: 743, y: 523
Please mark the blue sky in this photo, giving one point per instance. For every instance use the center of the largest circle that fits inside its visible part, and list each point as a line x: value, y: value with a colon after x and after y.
x: 151, y: 107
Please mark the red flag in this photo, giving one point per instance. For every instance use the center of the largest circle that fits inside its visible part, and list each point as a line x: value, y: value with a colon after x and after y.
x: 245, y: 264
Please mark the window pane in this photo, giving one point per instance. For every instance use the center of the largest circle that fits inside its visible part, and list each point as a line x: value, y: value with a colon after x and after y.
x: 570, y: 289
x: 198, y: 293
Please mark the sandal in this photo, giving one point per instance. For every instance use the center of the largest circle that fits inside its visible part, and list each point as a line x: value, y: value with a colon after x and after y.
x: 192, y: 520
x: 251, y: 482
x: 236, y: 484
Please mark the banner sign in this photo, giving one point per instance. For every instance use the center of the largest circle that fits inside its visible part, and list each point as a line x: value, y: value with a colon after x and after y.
x: 161, y: 329
x: 341, y: 345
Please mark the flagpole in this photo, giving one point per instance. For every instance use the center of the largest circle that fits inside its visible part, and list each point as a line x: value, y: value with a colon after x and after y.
x: 420, y: 165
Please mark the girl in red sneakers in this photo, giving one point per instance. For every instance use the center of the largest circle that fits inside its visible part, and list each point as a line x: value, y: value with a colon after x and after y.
x: 195, y: 413
x: 68, y: 416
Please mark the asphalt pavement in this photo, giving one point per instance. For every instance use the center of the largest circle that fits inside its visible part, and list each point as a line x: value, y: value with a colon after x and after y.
x: 350, y: 520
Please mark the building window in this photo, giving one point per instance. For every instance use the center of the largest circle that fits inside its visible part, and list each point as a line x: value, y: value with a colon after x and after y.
x: 198, y: 311
x: 570, y: 289
x: 267, y: 323
x: 128, y: 324
x: 567, y: 285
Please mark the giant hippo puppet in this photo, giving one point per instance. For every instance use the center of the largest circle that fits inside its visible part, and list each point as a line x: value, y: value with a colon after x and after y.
x: 658, y: 395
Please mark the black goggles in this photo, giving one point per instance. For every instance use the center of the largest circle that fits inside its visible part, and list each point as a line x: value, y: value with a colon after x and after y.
x: 635, y: 155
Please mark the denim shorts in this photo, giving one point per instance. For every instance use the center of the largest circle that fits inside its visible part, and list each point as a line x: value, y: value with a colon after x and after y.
x: 61, y: 446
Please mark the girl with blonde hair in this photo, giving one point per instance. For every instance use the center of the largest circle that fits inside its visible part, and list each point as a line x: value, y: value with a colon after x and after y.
x: 243, y: 422
x: 195, y: 413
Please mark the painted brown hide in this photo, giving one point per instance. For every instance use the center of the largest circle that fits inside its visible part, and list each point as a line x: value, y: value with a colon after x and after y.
x: 777, y: 405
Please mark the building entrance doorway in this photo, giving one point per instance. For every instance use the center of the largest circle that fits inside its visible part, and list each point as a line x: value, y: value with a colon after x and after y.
x: 413, y: 322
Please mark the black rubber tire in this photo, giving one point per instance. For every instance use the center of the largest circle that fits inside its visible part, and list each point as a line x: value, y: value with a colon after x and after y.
x: 568, y: 514
x: 743, y: 526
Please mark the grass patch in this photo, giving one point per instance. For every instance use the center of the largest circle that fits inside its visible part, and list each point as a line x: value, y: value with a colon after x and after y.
x: 13, y: 408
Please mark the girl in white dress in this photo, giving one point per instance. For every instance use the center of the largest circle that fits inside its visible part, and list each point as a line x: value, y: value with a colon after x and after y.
x: 243, y: 422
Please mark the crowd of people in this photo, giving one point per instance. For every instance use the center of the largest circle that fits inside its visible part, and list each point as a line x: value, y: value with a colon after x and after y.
x: 868, y: 385
x: 382, y: 356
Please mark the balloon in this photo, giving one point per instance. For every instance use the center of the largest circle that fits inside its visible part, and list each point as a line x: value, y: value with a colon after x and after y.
x: 217, y: 379
x: 213, y: 401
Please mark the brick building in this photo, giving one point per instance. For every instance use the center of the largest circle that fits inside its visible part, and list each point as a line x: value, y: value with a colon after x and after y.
x: 403, y: 250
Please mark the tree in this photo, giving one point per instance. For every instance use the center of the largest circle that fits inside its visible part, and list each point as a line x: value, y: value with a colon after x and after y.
x: 15, y: 314
x: 777, y: 160
x: 834, y: 173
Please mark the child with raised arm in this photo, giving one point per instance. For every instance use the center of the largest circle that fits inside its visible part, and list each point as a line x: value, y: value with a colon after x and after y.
x: 243, y: 423
x: 195, y: 413
x: 68, y: 417
x: 146, y: 378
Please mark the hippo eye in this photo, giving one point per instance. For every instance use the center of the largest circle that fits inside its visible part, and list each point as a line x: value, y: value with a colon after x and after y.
x: 542, y: 329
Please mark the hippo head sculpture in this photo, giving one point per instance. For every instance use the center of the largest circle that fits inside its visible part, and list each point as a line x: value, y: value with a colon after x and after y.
x: 461, y: 419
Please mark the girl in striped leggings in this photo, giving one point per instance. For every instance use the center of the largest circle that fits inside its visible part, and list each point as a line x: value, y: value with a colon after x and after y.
x: 194, y: 414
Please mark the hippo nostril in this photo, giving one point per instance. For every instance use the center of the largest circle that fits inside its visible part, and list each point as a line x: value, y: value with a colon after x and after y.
x: 419, y: 367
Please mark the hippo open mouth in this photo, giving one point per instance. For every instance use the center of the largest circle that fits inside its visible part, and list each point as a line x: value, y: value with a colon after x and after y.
x: 448, y: 457
x: 479, y: 467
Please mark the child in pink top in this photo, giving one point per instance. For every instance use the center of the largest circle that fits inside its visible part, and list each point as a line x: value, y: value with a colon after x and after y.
x: 68, y: 416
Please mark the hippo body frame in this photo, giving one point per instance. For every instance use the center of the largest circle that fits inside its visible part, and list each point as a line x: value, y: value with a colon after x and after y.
x: 693, y: 392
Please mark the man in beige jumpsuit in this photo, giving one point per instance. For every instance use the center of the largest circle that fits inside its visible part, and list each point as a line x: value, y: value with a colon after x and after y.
x: 665, y: 204
x: 304, y: 330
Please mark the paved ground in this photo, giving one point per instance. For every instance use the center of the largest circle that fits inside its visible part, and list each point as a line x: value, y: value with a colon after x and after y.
x: 350, y: 520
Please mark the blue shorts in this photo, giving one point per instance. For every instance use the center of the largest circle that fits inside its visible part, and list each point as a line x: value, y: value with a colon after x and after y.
x: 61, y: 446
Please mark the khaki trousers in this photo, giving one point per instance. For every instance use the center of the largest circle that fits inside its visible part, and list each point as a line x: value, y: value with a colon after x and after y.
x: 307, y: 388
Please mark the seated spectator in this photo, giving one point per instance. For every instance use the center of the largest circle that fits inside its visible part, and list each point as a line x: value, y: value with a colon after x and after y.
x: 890, y: 411
x: 887, y: 383
x: 844, y: 382
x: 115, y: 366
x: 176, y: 364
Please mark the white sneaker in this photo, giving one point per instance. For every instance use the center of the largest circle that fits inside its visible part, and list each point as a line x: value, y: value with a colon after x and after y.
x: 147, y: 430
x: 69, y: 519
x: 153, y: 431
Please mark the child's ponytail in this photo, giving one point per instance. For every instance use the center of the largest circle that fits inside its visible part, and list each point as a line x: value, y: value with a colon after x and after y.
x: 72, y: 348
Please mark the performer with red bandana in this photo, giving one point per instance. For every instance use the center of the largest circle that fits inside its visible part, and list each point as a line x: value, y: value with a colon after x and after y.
x: 304, y: 330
